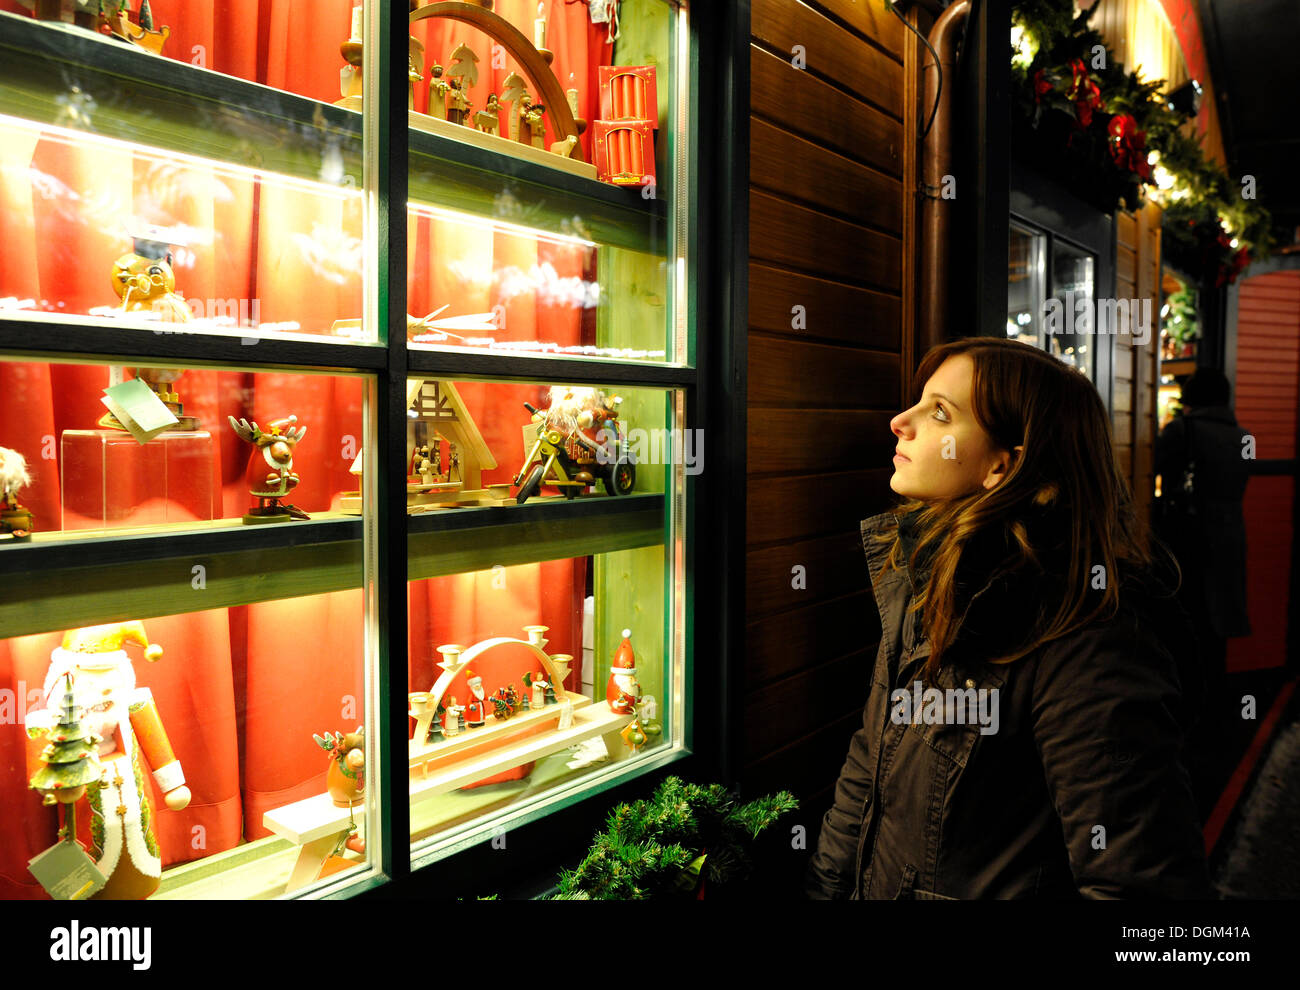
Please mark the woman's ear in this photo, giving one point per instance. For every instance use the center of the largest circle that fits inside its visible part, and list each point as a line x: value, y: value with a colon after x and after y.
x: 1003, y: 462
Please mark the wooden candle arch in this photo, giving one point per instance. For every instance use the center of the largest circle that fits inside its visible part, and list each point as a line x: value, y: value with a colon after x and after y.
x: 530, y: 60
x: 466, y: 657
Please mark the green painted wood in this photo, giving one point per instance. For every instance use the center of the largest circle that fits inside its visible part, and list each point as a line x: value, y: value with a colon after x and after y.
x: 433, y: 554
x: 237, y: 569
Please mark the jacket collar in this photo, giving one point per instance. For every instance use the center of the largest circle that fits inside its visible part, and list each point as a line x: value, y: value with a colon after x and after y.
x: 998, y: 610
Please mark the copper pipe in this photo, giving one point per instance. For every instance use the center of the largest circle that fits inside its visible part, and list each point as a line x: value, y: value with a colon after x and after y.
x: 936, y: 156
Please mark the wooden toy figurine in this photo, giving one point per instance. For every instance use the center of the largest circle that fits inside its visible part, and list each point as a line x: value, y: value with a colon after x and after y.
x: 15, y: 518
x: 113, y: 19
x: 130, y: 736
x: 145, y: 283
x: 346, y: 779
x: 270, y: 474
x: 464, y: 75
x: 514, y: 90
x: 476, y: 709
x: 438, y: 90
x: 622, y: 692
x: 488, y: 119
x: 532, y: 124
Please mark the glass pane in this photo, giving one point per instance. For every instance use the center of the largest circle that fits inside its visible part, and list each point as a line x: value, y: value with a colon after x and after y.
x: 1074, y: 284
x: 173, y: 459
x: 543, y: 217
x: 208, y: 760
x: 147, y: 193
x: 1025, y: 284
x: 212, y: 532
x: 520, y: 636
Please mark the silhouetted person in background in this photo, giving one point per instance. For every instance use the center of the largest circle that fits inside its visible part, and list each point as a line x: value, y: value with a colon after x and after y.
x: 1208, y: 537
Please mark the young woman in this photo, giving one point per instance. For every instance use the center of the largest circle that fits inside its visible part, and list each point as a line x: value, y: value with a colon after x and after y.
x: 1023, y: 732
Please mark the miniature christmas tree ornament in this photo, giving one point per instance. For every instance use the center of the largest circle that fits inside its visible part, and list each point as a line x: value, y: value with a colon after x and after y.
x: 71, y: 761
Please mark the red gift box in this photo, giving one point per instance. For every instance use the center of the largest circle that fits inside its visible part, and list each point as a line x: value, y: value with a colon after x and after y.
x: 625, y: 152
x: 628, y: 92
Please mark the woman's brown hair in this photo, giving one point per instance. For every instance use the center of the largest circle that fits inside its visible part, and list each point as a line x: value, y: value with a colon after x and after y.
x: 1022, y: 396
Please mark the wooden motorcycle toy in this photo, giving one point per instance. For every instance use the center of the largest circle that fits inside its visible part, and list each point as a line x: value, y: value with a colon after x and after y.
x: 564, y: 452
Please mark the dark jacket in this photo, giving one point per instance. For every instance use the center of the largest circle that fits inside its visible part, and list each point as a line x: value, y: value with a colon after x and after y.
x: 1210, y: 546
x: 1081, y: 791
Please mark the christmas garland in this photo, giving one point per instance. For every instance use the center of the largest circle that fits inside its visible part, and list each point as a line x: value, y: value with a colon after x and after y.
x: 687, y: 835
x: 1112, y: 136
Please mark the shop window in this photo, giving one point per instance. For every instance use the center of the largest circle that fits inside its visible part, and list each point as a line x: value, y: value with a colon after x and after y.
x: 198, y: 382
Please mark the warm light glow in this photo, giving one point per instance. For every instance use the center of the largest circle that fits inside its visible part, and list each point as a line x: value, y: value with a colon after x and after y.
x: 1024, y: 44
x: 82, y: 139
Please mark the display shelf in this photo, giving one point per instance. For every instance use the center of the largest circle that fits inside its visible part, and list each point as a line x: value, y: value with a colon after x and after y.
x: 461, y: 365
x: 1178, y: 366
x: 83, y: 338
x: 550, y: 528
x: 69, y: 78
x: 60, y: 580
x: 316, y: 825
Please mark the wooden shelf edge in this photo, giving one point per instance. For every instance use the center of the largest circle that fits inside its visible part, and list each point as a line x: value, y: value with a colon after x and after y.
x: 72, y: 582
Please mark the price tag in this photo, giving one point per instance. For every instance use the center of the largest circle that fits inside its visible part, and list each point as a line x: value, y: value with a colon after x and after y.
x: 66, y: 872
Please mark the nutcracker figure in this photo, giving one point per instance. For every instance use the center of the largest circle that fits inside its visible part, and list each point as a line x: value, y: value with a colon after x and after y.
x: 623, y: 692
x: 130, y: 736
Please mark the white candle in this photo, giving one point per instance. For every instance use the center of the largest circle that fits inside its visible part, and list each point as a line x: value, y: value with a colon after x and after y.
x: 539, y: 27
x: 357, y: 20
x: 572, y: 94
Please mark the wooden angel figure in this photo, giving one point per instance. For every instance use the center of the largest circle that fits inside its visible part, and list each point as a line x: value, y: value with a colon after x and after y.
x: 488, y: 119
x: 270, y: 475
x: 514, y: 90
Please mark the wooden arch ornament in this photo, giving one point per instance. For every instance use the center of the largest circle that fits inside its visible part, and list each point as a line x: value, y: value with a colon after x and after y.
x: 530, y: 60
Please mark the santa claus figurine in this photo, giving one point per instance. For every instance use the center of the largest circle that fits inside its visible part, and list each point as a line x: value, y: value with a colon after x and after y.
x: 476, y: 707
x: 131, y: 735
x: 623, y: 692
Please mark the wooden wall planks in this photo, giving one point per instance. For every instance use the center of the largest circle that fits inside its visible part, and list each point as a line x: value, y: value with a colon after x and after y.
x: 831, y: 233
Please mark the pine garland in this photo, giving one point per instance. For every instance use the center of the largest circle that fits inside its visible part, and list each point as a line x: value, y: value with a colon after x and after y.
x: 649, y: 847
x: 1095, y: 125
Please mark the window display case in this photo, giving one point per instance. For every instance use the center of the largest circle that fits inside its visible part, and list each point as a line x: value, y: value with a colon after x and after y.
x: 348, y: 448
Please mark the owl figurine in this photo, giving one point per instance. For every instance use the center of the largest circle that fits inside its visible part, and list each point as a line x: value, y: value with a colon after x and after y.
x: 148, y: 285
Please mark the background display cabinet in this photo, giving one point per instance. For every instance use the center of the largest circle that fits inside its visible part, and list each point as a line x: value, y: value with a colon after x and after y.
x: 349, y: 450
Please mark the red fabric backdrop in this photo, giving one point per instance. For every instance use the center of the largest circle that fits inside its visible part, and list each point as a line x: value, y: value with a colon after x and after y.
x: 241, y: 690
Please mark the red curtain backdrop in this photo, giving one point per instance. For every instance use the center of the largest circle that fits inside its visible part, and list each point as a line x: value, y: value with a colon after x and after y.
x: 241, y: 690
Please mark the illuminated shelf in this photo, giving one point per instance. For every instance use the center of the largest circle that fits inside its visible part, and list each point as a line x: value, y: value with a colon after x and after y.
x: 60, y: 580
x: 68, y: 78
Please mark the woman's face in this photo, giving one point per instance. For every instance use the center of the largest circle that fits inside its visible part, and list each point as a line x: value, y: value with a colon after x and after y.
x: 942, y: 452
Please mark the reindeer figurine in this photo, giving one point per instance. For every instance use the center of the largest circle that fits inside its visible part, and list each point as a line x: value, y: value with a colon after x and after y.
x: 270, y: 474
